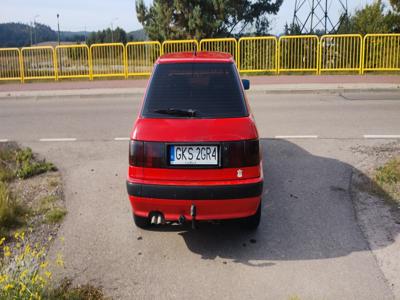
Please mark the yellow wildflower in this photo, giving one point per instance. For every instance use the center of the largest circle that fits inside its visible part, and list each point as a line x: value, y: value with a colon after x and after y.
x: 23, y: 274
x: 3, y: 278
x: 48, y: 274
x: 44, y: 265
x: 59, y: 260
x: 2, y: 240
x: 23, y: 288
x: 27, y: 249
x: 7, y: 252
x: 8, y: 287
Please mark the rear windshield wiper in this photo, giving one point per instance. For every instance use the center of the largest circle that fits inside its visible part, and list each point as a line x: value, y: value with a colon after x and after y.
x: 177, y: 112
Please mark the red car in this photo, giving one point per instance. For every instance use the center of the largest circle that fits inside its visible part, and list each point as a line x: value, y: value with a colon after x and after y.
x: 194, y: 153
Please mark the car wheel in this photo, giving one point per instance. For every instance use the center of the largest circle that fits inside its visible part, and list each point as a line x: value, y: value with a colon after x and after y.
x: 141, y: 222
x: 252, y: 222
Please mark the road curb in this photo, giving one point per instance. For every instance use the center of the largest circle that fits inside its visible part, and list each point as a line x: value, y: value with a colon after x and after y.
x: 266, y: 89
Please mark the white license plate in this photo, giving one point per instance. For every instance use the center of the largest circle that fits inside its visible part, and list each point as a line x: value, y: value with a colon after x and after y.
x: 193, y: 155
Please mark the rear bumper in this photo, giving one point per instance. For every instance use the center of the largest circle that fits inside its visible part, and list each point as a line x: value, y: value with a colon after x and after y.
x: 182, y: 192
x: 212, y: 202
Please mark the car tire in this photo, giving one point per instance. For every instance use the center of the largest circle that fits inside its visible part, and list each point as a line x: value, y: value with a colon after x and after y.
x: 141, y: 222
x: 252, y: 222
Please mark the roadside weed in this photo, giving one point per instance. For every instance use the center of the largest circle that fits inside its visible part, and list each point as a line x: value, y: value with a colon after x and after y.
x: 27, y: 167
x: 387, y: 178
x: 11, y: 211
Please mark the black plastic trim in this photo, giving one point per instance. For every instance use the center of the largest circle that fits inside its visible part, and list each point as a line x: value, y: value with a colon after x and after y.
x: 178, y: 192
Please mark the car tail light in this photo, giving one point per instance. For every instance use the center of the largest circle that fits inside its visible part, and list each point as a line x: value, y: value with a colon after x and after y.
x: 147, y: 154
x: 240, y: 154
x: 136, y: 153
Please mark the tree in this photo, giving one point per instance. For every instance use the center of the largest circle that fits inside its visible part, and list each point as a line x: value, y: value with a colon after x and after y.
x: 370, y: 19
x: 106, y: 36
x: 395, y: 5
x: 185, y: 19
x: 293, y: 29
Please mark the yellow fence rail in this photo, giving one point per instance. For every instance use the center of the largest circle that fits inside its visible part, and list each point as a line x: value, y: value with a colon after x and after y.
x: 298, y: 53
x: 180, y: 46
x: 258, y: 54
x: 73, y: 61
x: 108, y: 60
x: 141, y: 56
x: 10, y: 64
x: 341, y: 52
x: 228, y: 45
x: 382, y: 52
x: 38, y: 63
x: 303, y: 53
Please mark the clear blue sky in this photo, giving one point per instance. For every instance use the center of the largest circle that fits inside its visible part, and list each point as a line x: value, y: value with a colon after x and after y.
x: 98, y: 14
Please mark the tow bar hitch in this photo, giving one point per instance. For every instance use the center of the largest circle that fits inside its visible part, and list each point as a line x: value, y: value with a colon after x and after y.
x: 193, y: 214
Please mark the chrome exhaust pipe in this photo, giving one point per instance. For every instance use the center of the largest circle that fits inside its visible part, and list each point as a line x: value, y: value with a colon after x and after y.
x: 157, y: 218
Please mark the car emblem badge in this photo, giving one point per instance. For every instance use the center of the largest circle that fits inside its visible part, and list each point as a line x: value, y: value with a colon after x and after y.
x: 239, y: 173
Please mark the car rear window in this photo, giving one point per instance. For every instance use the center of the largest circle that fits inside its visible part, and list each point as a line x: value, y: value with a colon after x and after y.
x: 211, y: 90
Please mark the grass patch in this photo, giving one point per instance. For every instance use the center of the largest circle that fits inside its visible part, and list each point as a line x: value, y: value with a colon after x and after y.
x: 66, y: 292
x: 6, y: 165
x: 11, y: 212
x: 55, y: 215
x: 49, y: 209
x: 28, y: 167
x: 387, y: 179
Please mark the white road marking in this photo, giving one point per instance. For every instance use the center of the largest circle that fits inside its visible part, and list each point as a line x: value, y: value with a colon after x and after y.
x: 296, y: 136
x: 59, y: 140
x: 122, y: 139
x: 3, y: 140
x: 382, y: 136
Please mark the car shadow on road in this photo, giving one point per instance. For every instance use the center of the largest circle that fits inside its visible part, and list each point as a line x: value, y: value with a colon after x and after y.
x: 307, y: 211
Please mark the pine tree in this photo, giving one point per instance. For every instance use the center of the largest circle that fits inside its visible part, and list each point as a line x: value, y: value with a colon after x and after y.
x: 184, y: 19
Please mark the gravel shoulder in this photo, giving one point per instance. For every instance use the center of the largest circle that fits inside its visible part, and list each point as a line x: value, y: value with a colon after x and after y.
x: 379, y: 219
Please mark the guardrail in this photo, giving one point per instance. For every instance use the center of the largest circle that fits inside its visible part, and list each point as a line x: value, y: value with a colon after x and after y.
x: 303, y: 53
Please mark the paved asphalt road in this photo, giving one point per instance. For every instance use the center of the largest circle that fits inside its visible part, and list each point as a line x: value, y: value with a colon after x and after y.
x: 308, y: 245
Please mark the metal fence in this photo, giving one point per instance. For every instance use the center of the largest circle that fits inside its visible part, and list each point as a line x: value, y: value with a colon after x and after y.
x: 141, y: 56
x: 10, y: 68
x: 73, y: 61
x: 258, y: 54
x: 303, y: 53
x: 38, y: 63
x: 382, y: 52
x: 228, y: 45
x: 180, y: 46
x: 108, y: 60
x: 298, y: 53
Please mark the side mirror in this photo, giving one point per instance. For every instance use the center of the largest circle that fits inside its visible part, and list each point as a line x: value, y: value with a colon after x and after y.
x: 246, y: 84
